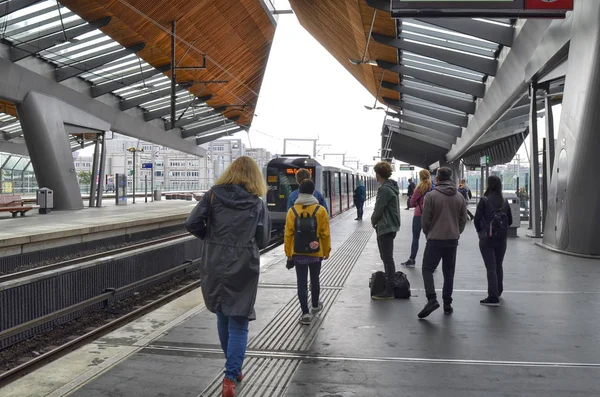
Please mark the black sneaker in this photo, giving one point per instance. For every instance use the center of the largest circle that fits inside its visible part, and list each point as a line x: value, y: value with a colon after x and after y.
x: 429, y: 308
x: 495, y: 302
x: 448, y: 308
x: 385, y: 295
x: 409, y: 263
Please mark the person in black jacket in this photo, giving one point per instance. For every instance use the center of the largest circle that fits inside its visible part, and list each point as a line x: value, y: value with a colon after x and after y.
x: 492, y: 247
x: 409, y: 192
x: 234, y: 223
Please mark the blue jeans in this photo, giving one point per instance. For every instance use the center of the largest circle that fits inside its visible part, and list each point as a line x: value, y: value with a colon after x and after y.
x: 302, y: 278
x: 360, y: 209
x: 416, y: 232
x: 233, y: 334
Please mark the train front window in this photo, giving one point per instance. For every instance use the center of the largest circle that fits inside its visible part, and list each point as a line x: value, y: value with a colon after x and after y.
x: 281, y: 182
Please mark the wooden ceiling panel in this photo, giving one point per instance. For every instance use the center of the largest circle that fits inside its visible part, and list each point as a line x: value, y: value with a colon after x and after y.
x: 235, y: 35
x: 342, y: 27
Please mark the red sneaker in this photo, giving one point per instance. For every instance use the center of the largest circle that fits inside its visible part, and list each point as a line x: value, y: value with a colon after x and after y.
x: 228, y: 388
x: 240, y: 377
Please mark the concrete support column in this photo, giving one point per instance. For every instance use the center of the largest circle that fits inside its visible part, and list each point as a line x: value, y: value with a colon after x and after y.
x: 46, y: 123
x: 574, y: 202
x: 535, y: 199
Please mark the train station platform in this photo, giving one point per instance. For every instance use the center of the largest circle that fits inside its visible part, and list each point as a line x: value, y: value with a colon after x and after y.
x: 542, y: 341
x: 35, y: 231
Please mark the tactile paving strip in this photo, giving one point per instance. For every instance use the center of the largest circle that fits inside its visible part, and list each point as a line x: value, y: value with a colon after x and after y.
x: 266, y: 376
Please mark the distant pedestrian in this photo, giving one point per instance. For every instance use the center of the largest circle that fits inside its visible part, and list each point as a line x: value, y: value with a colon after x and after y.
x: 492, y: 219
x: 466, y: 193
x: 360, y: 196
x: 301, y: 175
x: 444, y: 219
x: 304, y: 251
x: 386, y: 220
x: 234, y: 223
x: 409, y: 192
x: 417, y: 201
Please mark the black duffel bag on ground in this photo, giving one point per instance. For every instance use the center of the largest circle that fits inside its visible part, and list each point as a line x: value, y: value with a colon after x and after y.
x: 401, y: 286
x: 377, y: 283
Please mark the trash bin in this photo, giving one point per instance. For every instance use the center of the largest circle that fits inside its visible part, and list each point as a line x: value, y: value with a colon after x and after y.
x: 514, y: 203
x: 157, y: 195
x: 45, y: 199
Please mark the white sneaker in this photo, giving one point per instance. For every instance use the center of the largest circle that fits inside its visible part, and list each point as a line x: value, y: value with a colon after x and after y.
x: 305, y: 319
x: 317, y: 309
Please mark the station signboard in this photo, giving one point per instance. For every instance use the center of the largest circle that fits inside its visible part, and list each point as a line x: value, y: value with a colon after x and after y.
x: 406, y: 168
x: 146, y: 166
x: 484, y: 160
x: 481, y: 8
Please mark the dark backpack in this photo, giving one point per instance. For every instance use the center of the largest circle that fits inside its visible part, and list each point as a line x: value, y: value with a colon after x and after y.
x: 496, y: 225
x: 306, y: 240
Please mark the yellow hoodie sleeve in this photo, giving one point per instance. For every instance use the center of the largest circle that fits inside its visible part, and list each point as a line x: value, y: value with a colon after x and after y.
x: 324, y: 231
x: 288, y: 236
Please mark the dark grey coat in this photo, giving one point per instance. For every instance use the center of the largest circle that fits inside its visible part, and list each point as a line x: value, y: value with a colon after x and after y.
x: 238, y: 226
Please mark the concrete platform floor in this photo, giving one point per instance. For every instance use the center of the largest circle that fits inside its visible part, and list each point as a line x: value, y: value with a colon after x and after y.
x: 542, y: 341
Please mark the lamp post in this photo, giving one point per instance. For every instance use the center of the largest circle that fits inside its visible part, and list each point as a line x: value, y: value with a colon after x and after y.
x: 134, y: 151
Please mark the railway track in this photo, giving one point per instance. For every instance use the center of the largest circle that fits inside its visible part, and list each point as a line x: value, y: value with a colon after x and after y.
x: 78, y: 341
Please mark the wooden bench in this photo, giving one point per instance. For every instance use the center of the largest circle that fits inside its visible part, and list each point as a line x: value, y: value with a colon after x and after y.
x: 14, y: 204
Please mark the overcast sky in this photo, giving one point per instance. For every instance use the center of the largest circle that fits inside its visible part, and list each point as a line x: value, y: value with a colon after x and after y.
x: 306, y: 93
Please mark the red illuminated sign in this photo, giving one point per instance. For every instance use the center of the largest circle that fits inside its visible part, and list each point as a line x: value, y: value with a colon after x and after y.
x: 294, y: 171
x: 548, y: 4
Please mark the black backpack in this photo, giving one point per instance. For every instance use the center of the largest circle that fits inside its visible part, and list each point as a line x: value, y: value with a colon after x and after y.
x: 497, y: 226
x: 306, y: 240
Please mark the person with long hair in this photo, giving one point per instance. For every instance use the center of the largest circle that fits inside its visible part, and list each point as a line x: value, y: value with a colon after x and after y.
x: 417, y: 201
x: 493, y: 212
x: 234, y: 223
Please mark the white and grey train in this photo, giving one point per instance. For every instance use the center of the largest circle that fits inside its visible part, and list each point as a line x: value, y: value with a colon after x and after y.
x: 335, y: 182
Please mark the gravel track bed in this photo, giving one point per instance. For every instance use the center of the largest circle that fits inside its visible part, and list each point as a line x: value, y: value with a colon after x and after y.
x: 24, y: 351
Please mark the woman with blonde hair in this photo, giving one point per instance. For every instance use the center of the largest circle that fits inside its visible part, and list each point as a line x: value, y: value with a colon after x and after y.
x: 234, y: 223
x: 416, y: 201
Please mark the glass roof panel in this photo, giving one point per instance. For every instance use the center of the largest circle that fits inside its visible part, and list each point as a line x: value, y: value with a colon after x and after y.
x: 12, y: 161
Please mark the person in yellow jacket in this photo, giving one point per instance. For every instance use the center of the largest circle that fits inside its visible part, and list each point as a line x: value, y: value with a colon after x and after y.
x: 306, y: 206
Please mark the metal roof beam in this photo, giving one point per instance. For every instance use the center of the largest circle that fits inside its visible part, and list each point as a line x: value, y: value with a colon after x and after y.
x: 31, y: 28
x: 424, y: 138
x: 439, y: 99
x: 439, y: 67
x: 31, y: 47
x: 151, y: 96
x: 82, y: 67
x: 487, y: 31
x: 432, y: 125
x: 396, y: 126
x: 441, y: 115
x: 467, y: 87
x: 148, y: 116
x: 196, y: 118
x: 8, y: 7
x: 411, y: 33
x: 216, y: 124
x: 483, y: 65
x: 431, y: 30
x: 119, y: 83
x: 212, y: 137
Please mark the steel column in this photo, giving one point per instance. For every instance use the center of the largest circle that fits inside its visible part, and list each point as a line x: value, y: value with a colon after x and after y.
x: 101, y: 176
x: 536, y: 231
x: 173, y: 76
x: 92, y: 199
x: 549, y: 158
x: 545, y: 178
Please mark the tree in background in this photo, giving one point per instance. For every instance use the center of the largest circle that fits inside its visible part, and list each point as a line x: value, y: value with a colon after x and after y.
x: 85, y: 177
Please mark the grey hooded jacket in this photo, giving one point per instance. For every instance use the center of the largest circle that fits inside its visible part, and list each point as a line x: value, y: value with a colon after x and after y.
x: 386, y: 214
x: 444, y: 213
x: 238, y: 226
